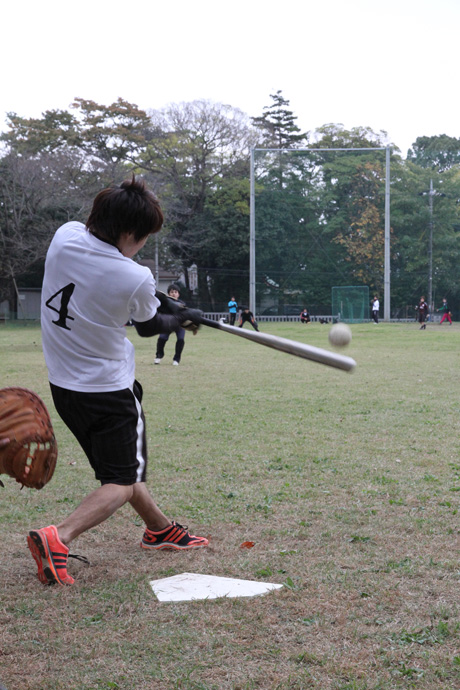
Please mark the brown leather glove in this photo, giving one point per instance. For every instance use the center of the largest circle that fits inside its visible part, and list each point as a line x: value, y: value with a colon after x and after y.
x: 31, y: 453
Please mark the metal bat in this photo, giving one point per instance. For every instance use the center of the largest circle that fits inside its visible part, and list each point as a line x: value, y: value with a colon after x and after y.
x: 292, y: 347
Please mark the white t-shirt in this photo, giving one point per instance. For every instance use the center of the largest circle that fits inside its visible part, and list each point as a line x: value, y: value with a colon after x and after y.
x: 90, y: 291
x: 376, y: 305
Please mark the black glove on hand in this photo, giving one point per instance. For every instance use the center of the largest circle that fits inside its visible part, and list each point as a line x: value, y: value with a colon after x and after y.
x: 190, y: 319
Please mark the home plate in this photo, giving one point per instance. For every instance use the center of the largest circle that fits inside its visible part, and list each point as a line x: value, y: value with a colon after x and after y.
x: 193, y: 586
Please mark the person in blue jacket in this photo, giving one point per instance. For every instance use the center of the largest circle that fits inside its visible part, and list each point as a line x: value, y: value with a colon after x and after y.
x: 232, y: 308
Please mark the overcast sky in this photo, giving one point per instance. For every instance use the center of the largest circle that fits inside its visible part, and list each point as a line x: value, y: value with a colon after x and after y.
x: 388, y: 64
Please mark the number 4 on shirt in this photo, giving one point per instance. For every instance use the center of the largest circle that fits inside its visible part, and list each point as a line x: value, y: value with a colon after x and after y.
x: 66, y: 293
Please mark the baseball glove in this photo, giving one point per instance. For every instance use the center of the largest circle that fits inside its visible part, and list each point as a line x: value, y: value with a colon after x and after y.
x: 31, y: 454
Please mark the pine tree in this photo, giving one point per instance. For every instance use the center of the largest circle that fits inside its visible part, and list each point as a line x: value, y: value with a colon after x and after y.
x: 278, y: 125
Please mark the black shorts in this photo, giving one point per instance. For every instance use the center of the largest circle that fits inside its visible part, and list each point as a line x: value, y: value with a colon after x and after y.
x: 110, y: 427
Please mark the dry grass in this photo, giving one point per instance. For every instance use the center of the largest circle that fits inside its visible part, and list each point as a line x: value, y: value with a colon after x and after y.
x: 349, y: 486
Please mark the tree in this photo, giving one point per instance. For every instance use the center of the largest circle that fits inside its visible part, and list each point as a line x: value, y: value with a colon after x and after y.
x: 30, y: 136
x: 36, y: 196
x: 193, y: 149
x: 277, y: 125
x: 286, y: 216
x: 51, y: 170
x: 363, y: 234
x: 116, y: 134
x: 224, y: 258
x: 108, y: 138
x: 333, y: 136
x: 185, y: 151
x: 413, y: 223
x: 319, y: 214
x: 439, y: 153
x: 320, y: 217
x: 352, y: 187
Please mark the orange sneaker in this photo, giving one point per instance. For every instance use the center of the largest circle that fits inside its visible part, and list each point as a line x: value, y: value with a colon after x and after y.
x: 174, y: 537
x: 50, y: 555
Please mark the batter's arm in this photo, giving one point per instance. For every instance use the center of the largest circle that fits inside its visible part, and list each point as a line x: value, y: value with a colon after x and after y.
x: 160, y: 323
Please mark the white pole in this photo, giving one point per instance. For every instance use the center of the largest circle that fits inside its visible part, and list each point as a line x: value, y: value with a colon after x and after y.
x: 157, y: 268
x: 430, y: 253
x: 386, y: 310
x: 252, y: 241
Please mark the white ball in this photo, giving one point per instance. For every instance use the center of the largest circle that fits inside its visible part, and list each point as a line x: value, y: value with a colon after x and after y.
x: 340, y: 335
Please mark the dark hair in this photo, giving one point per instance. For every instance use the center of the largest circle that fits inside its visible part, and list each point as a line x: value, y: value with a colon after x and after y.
x: 128, y: 208
x: 173, y: 286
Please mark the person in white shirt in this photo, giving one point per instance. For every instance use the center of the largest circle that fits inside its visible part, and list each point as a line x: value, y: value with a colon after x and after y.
x: 375, y: 309
x: 91, y: 289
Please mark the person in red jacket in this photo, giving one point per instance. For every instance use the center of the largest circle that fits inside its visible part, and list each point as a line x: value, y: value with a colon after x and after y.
x: 446, y: 313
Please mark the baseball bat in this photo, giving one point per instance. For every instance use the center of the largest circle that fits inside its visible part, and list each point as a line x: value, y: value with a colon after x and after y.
x: 292, y: 347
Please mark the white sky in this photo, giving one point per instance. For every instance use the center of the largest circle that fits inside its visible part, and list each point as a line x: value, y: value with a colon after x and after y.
x: 388, y: 64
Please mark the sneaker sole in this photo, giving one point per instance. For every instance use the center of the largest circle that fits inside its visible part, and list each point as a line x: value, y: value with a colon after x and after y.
x: 38, y: 546
x: 168, y: 546
x: 38, y: 560
x: 38, y: 551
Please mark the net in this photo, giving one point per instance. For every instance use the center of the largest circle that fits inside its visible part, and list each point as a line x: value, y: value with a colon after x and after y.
x: 350, y: 303
x: 318, y: 221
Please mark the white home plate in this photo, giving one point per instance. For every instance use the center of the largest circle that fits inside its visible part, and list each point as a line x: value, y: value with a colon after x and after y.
x: 192, y: 586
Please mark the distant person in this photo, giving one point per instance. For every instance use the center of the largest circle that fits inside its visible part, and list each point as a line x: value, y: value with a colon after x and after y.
x: 247, y: 316
x: 232, y: 309
x: 375, y: 309
x: 305, y: 316
x: 446, y: 313
x: 174, y: 292
x: 422, y: 310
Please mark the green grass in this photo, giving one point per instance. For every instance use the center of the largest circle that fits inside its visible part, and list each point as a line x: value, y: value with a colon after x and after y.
x: 349, y: 485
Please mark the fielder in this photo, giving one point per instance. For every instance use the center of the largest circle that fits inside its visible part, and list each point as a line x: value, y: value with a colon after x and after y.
x: 91, y: 289
x: 422, y: 309
x: 446, y: 313
x: 174, y: 293
x: 247, y: 316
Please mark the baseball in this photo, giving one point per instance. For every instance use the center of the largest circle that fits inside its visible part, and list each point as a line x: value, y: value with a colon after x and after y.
x: 340, y: 335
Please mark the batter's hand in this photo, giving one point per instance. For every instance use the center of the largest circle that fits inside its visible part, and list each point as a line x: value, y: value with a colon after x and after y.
x: 191, y: 319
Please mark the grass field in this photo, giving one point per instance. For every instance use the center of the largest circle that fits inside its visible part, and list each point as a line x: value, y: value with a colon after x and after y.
x: 349, y: 485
